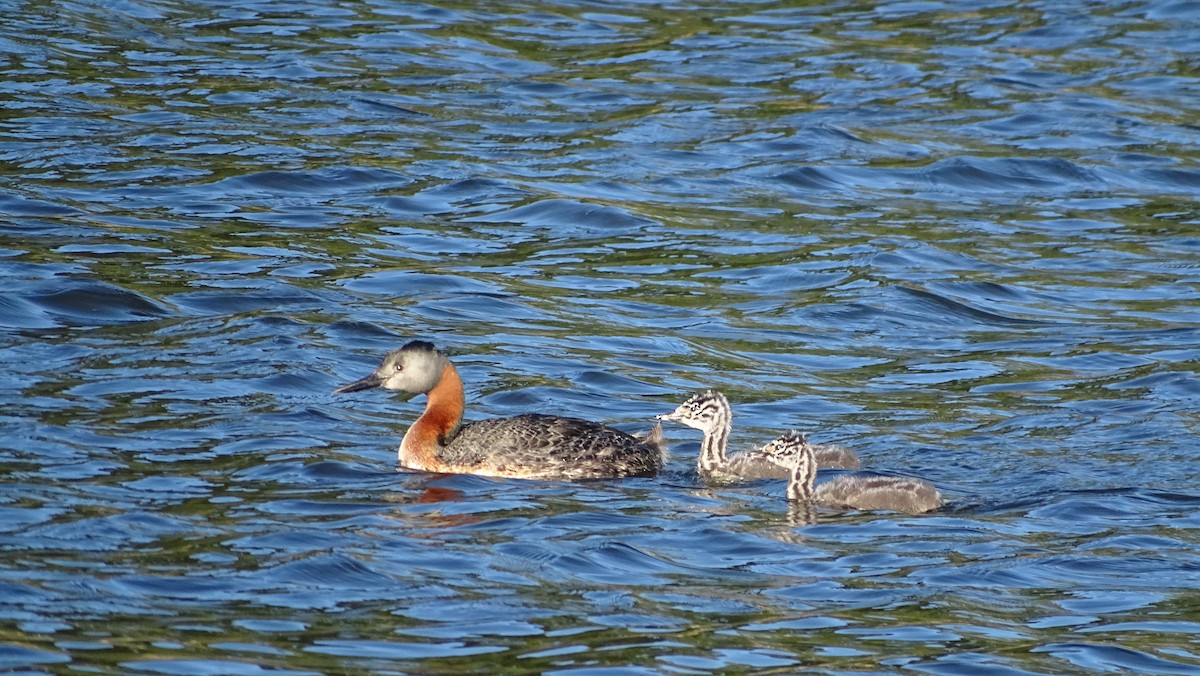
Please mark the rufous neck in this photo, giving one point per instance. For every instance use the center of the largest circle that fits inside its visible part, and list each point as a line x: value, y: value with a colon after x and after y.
x: 444, y: 409
x: 438, y: 424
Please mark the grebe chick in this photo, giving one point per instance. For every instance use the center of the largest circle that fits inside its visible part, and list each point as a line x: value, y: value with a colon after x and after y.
x: 862, y: 492
x: 709, y: 412
x: 526, y: 446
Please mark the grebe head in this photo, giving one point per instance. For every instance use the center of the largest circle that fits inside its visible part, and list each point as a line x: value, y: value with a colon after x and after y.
x: 789, y: 450
x: 705, y: 411
x: 792, y: 452
x: 417, y: 367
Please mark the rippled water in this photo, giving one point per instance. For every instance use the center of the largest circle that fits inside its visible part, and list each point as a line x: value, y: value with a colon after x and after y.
x: 958, y: 237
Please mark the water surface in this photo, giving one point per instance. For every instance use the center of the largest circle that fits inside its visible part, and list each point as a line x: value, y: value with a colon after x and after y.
x: 958, y: 237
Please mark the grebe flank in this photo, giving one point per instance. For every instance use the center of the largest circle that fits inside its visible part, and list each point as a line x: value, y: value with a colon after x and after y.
x: 527, y: 446
x: 709, y: 412
x: 849, y: 491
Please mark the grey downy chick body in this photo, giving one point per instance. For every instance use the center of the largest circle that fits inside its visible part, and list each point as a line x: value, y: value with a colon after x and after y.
x: 866, y: 492
x: 710, y: 413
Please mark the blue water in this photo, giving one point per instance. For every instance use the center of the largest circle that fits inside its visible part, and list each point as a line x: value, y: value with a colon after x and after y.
x: 960, y: 238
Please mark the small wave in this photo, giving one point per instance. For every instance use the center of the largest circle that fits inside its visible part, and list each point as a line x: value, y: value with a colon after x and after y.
x: 77, y: 302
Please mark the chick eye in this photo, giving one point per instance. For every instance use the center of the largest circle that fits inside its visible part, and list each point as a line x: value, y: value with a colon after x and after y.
x: 397, y: 367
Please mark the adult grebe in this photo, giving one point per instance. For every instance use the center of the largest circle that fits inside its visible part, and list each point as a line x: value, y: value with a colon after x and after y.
x: 528, y: 446
x: 863, y: 492
x: 709, y: 412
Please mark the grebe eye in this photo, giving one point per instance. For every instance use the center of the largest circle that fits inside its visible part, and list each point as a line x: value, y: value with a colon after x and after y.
x: 397, y: 367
